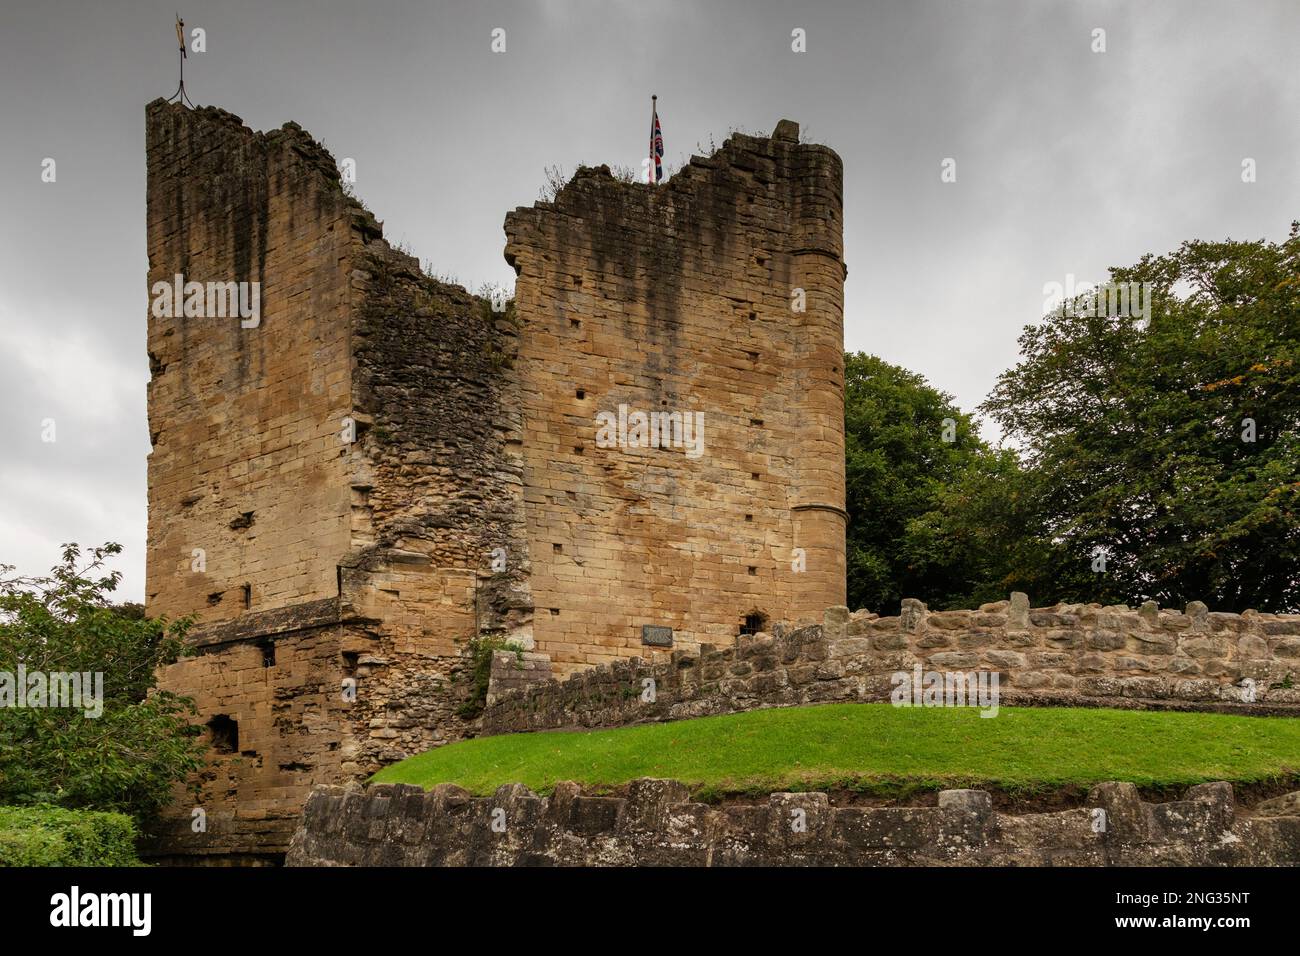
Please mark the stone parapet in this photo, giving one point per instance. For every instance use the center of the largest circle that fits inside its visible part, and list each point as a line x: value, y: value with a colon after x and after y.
x: 657, y: 824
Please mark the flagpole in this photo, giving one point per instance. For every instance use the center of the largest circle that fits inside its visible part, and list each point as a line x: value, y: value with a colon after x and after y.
x: 651, y: 170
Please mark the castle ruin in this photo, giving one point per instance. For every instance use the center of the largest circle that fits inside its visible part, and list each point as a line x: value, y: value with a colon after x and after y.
x: 382, y: 467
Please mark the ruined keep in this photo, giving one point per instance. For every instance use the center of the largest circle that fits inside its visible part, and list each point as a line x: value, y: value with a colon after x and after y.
x: 381, y: 468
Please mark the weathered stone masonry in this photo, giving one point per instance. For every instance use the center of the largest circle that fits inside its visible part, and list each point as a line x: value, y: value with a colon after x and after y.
x: 327, y: 488
x: 1067, y: 654
x: 680, y: 299
x: 325, y: 559
x: 656, y: 824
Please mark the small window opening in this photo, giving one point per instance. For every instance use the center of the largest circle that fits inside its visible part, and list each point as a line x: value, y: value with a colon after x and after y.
x: 224, y: 733
x: 350, y: 661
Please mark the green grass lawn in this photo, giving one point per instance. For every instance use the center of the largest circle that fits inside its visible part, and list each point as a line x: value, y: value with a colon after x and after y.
x: 878, y: 749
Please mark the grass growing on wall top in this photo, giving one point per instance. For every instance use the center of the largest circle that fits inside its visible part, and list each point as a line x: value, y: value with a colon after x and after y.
x: 878, y: 748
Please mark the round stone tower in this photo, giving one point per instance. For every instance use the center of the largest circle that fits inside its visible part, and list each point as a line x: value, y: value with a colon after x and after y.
x: 817, y: 313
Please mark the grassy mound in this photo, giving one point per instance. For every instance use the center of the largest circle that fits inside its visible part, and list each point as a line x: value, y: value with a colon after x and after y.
x: 879, y: 749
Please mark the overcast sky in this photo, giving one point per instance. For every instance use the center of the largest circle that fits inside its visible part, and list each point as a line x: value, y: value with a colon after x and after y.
x: 1068, y: 161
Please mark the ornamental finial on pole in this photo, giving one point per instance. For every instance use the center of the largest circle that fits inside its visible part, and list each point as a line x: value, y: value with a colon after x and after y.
x: 180, y: 95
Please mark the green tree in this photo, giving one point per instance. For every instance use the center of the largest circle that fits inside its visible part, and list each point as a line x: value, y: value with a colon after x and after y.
x: 1171, y: 446
x: 982, y: 538
x: 127, y: 758
x: 934, y: 513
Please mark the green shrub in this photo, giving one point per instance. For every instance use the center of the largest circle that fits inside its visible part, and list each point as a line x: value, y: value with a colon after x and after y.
x: 127, y: 756
x: 480, y: 671
x: 52, y: 836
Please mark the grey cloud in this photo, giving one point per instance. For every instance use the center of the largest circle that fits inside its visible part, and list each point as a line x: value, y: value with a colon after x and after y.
x: 1068, y: 161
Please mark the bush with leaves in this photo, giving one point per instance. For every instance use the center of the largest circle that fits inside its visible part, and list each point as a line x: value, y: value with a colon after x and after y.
x: 127, y: 759
x: 52, y: 836
x: 479, y: 653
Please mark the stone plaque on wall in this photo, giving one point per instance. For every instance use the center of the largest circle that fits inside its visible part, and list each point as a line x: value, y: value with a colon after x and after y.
x: 656, y: 636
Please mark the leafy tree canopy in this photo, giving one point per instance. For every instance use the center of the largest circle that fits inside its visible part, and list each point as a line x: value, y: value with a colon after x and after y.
x: 1171, y: 446
x: 934, y: 513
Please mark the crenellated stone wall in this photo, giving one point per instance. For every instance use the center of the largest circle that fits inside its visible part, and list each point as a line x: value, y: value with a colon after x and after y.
x: 657, y: 824
x: 1085, y: 655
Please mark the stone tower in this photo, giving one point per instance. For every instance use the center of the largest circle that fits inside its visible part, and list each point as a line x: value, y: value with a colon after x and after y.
x: 351, y: 484
x: 718, y: 295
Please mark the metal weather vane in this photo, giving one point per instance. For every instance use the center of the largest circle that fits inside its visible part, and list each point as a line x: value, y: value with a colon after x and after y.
x: 180, y: 93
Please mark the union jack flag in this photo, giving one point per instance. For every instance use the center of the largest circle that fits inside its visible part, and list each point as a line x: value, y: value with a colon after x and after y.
x: 656, y: 145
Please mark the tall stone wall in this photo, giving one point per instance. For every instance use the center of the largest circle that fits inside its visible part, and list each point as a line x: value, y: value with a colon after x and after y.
x: 439, y: 488
x: 346, y: 465
x: 657, y: 824
x: 719, y: 294
x: 240, y: 415
x: 1084, y: 655
x: 379, y: 467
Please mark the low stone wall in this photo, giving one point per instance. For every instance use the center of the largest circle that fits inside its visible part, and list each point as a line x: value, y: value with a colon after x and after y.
x: 656, y: 824
x: 515, y: 670
x: 1087, y: 655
